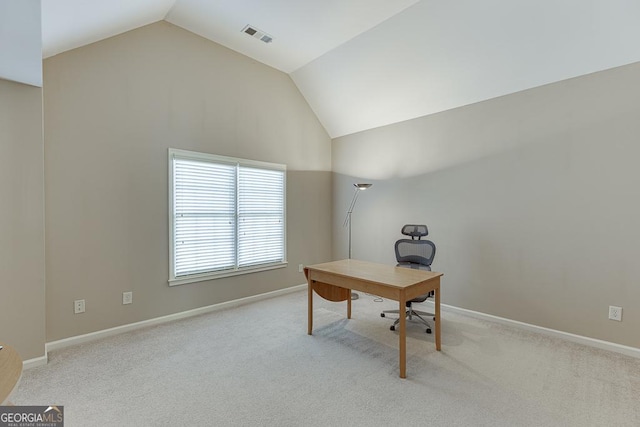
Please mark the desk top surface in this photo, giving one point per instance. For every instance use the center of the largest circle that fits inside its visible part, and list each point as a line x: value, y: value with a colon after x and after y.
x: 375, y: 273
x: 10, y: 371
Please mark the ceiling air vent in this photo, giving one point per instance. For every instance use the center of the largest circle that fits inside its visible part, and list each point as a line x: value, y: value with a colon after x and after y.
x: 258, y: 34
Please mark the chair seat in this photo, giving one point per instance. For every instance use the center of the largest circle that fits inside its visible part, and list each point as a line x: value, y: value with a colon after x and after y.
x: 419, y: 298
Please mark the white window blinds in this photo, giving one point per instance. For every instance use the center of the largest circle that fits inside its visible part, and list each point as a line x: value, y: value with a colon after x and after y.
x: 204, y: 216
x: 227, y: 215
x: 260, y: 216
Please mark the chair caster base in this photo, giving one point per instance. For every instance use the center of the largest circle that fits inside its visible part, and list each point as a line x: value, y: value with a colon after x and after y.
x: 393, y: 328
x: 381, y: 314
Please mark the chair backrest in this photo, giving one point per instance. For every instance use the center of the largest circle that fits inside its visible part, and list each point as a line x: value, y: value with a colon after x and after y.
x: 415, y: 253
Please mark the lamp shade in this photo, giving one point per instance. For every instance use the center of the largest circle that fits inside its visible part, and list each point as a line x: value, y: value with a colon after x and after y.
x: 362, y: 186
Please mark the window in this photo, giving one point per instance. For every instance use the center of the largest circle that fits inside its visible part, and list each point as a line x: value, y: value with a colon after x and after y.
x: 227, y: 216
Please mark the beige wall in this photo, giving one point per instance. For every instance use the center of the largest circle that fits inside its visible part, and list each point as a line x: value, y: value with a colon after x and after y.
x: 532, y: 199
x: 22, y: 293
x: 112, y: 109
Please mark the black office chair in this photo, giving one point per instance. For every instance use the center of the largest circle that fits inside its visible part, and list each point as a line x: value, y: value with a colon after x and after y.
x: 418, y: 254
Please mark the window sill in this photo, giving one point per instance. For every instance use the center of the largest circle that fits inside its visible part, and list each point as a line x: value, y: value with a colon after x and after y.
x: 226, y: 273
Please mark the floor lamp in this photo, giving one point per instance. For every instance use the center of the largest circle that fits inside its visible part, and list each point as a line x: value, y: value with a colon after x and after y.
x: 347, y: 220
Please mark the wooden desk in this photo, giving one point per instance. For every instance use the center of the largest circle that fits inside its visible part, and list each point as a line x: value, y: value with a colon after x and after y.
x: 10, y: 372
x: 335, y: 280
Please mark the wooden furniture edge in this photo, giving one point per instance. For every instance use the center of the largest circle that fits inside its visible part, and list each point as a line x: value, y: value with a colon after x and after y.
x: 10, y: 372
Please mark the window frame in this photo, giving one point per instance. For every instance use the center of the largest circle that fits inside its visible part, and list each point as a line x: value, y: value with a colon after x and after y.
x: 237, y: 162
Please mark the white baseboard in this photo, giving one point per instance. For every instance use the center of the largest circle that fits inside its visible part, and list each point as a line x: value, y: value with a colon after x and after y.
x: 79, y: 339
x: 605, y: 345
x: 37, y: 361
x: 67, y: 342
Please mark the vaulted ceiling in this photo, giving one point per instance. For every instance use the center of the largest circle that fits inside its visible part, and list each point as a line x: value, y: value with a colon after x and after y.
x: 367, y: 63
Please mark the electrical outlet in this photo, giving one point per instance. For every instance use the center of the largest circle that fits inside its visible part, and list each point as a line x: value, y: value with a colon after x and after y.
x: 615, y: 313
x: 300, y: 268
x: 127, y: 297
x: 78, y: 306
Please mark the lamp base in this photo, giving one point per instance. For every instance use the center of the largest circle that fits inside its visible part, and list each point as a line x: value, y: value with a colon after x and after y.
x: 354, y: 296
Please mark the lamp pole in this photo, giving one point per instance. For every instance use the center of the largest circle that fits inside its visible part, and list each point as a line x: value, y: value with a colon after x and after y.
x: 347, y: 220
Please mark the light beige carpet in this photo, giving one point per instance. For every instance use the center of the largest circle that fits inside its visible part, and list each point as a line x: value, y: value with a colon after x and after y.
x: 255, y: 365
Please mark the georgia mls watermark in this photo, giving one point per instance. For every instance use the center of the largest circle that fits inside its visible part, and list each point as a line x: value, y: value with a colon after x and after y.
x: 31, y: 416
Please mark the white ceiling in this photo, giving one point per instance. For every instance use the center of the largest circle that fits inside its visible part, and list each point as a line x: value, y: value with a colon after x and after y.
x: 366, y: 63
x: 302, y: 29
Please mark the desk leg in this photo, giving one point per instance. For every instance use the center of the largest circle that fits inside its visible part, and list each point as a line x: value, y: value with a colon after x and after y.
x: 310, y: 306
x: 349, y: 305
x: 438, y: 318
x: 403, y: 338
